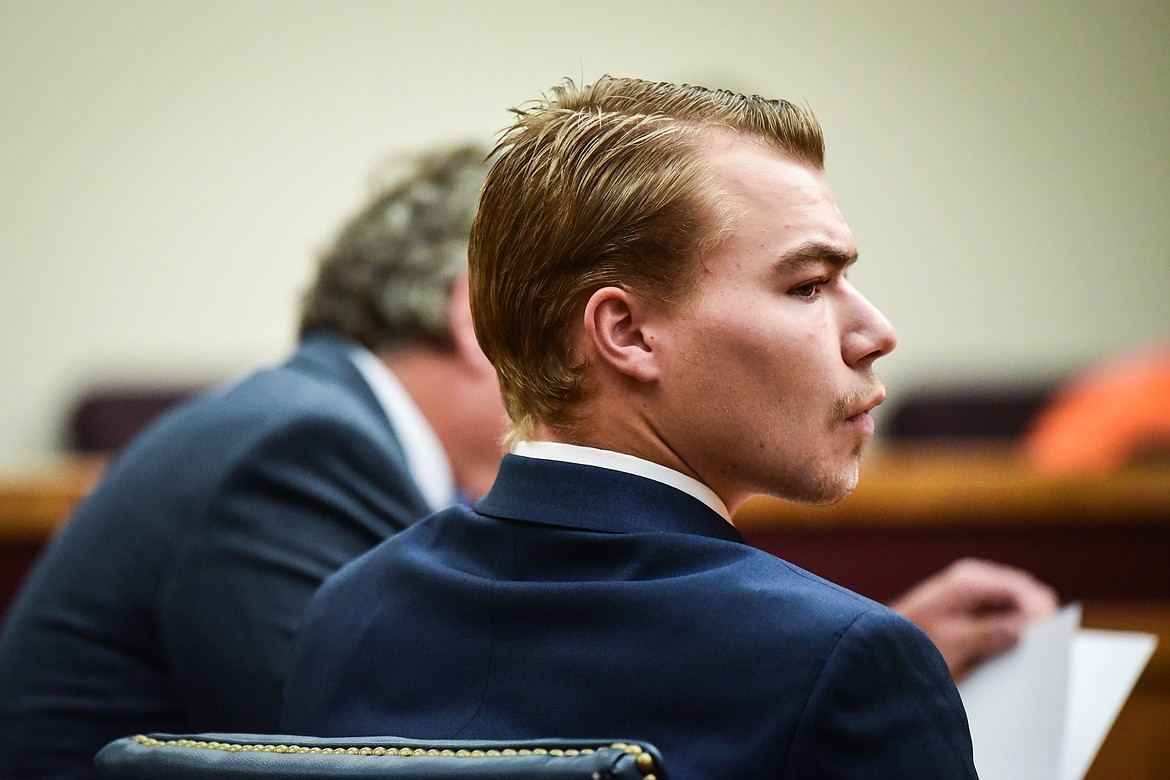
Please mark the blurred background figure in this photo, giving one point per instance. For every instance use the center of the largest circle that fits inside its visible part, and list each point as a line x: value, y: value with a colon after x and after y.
x: 170, y: 599
x: 1106, y: 416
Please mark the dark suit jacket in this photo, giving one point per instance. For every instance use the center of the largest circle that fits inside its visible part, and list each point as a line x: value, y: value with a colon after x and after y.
x: 170, y: 600
x: 578, y: 601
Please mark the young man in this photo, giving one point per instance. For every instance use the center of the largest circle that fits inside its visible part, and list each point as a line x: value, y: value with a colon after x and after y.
x: 170, y: 600
x: 658, y: 274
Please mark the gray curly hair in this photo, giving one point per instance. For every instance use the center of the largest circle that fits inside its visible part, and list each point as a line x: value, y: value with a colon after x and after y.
x: 386, y: 280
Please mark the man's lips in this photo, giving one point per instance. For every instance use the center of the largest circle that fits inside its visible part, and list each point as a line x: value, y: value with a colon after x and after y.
x: 864, y: 409
x: 861, y: 422
x: 859, y: 417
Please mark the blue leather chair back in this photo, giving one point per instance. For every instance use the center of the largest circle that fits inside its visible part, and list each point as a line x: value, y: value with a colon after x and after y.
x: 258, y: 756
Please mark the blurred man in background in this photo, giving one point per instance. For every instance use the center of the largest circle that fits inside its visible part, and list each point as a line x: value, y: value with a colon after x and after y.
x: 169, y: 601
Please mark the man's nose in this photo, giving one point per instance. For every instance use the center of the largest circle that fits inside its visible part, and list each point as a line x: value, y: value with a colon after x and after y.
x: 868, y: 334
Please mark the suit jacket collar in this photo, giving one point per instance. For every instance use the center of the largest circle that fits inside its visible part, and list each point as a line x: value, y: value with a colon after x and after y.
x: 597, y: 499
x: 325, y: 354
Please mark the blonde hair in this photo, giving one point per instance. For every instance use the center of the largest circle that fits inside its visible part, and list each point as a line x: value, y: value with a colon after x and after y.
x: 594, y: 186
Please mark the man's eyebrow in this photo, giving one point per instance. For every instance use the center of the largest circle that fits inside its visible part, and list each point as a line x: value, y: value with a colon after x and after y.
x: 815, y: 253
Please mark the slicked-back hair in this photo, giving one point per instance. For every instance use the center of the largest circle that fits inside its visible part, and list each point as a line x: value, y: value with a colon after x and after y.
x: 387, y: 279
x: 594, y: 186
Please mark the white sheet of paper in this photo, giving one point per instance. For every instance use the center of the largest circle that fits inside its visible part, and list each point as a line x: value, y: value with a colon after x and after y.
x: 1016, y: 703
x: 1105, y: 666
x: 1043, y: 710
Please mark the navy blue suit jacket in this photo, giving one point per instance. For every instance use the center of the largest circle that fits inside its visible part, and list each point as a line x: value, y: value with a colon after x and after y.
x: 578, y: 601
x: 171, y: 598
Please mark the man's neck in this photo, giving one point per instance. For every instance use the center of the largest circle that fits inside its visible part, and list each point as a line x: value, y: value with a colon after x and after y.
x: 431, y: 377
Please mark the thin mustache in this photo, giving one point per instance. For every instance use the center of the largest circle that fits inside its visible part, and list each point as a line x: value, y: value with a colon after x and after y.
x: 848, y: 404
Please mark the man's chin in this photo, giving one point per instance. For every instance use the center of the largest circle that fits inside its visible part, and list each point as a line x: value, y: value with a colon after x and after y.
x: 829, y: 489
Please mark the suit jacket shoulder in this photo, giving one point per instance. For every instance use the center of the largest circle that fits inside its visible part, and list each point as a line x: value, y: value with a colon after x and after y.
x: 575, y: 600
x: 176, y: 586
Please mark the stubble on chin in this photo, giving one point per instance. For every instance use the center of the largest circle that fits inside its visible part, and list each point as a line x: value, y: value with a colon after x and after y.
x: 842, y: 486
x: 819, y: 485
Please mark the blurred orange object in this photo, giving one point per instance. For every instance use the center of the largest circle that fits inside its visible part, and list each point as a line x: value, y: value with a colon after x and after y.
x: 1106, y: 417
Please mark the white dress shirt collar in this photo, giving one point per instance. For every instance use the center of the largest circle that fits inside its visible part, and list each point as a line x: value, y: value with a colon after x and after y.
x: 425, y: 458
x: 619, y: 461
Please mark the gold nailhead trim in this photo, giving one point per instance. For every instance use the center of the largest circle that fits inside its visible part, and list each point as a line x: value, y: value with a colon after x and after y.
x: 644, y: 761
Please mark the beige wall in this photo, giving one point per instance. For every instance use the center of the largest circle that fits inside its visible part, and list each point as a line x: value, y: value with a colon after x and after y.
x: 169, y: 169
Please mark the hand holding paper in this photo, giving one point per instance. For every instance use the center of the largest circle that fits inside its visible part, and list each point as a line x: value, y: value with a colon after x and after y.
x: 1041, y: 711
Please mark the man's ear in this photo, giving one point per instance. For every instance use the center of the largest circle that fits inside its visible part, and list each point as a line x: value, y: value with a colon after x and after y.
x: 461, y: 327
x: 614, y: 323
